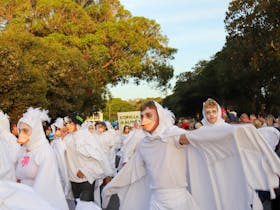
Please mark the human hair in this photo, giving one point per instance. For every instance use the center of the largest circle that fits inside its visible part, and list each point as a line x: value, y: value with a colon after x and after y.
x: 210, y: 103
x: 150, y: 104
x: 257, y: 123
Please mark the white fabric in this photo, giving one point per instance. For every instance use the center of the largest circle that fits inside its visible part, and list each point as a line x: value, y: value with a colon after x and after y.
x: 59, y: 123
x: 7, y: 167
x: 93, y: 162
x: 86, y: 205
x: 271, y: 136
x: 9, y: 149
x: 225, y: 163
x: 235, y: 161
x: 36, y: 165
x: 130, y: 144
x: 152, y: 171
x: 175, y: 199
x: 59, y: 149
x: 17, y: 196
x: 107, y: 141
x: 71, y: 158
x: 4, y: 121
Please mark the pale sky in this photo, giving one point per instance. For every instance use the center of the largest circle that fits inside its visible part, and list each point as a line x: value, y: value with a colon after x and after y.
x: 195, y: 28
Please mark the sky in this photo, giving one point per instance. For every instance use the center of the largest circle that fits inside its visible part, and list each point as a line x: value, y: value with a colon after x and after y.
x: 195, y: 28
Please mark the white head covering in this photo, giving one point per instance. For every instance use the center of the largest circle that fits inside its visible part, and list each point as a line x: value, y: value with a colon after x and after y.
x: 34, y: 118
x: 220, y: 120
x: 59, y: 123
x: 166, y: 120
x: 4, y: 121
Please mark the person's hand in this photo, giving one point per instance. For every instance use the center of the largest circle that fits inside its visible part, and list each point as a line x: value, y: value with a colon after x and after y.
x: 183, y: 139
x: 80, y: 174
x: 107, y: 180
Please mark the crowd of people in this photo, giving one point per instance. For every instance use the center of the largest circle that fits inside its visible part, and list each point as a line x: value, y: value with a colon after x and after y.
x: 219, y: 162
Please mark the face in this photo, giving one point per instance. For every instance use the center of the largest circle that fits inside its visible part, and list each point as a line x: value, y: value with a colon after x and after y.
x: 71, y: 127
x: 211, y: 114
x: 48, y: 130
x: 58, y: 132
x: 91, y: 128
x: 149, y: 119
x: 101, y: 128
x: 24, y: 133
x: 126, y: 130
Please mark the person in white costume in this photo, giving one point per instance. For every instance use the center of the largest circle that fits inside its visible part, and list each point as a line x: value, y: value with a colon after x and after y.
x: 86, y: 163
x: 271, y: 135
x: 16, y: 196
x: 107, y: 139
x: 9, y: 149
x: 130, y: 145
x: 36, y: 165
x: 58, y: 145
x: 225, y: 165
x: 163, y: 160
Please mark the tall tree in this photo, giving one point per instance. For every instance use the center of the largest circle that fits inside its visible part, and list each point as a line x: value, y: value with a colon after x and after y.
x: 74, y: 49
x: 246, y: 71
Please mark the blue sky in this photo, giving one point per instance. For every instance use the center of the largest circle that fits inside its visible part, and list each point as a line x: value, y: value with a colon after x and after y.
x: 195, y: 28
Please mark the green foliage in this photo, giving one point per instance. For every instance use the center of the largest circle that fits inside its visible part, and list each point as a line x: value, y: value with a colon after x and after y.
x: 114, y: 106
x: 62, y: 54
x: 245, y: 73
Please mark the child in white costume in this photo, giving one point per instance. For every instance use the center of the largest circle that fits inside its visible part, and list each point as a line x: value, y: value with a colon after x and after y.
x: 58, y: 146
x: 225, y: 165
x: 36, y: 165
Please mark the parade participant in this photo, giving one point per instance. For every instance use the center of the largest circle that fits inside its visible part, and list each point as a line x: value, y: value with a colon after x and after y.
x: 36, y: 165
x: 85, y: 160
x: 157, y: 157
x: 222, y: 152
x: 9, y: 149
x: 130, y: 145
x: 212, y: 114
x: 271, y: 135
x: 58, y: 145
x: 107, y: 139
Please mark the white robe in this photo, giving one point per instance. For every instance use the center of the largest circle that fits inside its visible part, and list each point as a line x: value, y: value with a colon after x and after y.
x: 36, y: 165
x: 225, y: 163
x: 87, y: 156
x: 7, y: 167
x: 9, y: 154
x: 130, y: 144
x: 107, y: 141
x: 38, y: 169
x: 86, y: 205
x: 17, y: 196
x: 271, y: 136
x: 59, y: 149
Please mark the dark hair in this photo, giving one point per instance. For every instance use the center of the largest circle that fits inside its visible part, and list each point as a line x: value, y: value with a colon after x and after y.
x: 150, y: 104
x: 101, y: 123
x: 76, y: 118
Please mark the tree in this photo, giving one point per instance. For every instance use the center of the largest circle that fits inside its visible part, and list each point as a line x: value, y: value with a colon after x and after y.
x: 245, y: 72
x: 254, y: 27
x: 114, y: 106
x: 72, y: 50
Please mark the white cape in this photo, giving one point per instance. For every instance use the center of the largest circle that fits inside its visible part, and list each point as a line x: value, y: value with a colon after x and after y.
x: 17, y: 196
x: 86, y: 205
x: 226, y: 164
